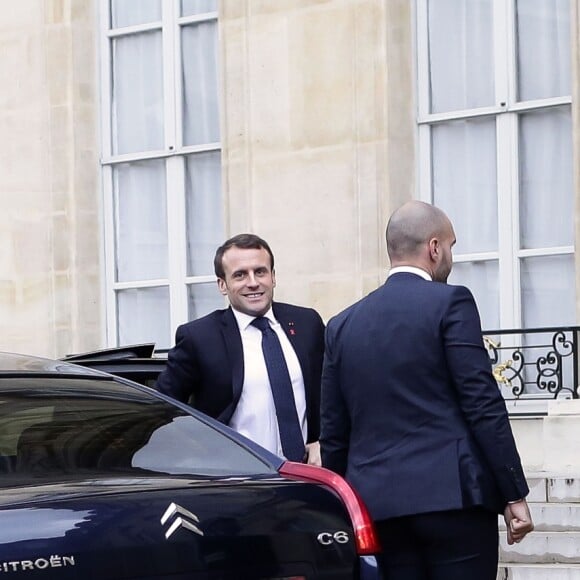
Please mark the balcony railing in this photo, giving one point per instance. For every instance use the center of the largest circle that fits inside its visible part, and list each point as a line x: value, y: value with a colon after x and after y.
x: 535, y: 363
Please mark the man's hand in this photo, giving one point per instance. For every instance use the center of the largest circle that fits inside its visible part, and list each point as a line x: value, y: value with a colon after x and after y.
x: 518, y: 521
x: 313, y: 454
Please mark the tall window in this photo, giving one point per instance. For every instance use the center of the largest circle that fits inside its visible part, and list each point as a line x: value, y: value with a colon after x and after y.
x: 161, y: 165
x: 495, y: 137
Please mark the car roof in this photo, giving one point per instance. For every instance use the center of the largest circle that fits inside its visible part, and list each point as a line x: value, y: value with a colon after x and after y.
x: 13, y: 363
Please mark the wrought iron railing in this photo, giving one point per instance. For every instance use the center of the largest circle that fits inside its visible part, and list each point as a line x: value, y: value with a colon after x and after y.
x: 538, y: 363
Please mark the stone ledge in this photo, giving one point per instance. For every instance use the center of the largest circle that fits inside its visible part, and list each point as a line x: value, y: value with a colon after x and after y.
x: 550, y: 517
x: 538, y: 572
x: 542, y: 548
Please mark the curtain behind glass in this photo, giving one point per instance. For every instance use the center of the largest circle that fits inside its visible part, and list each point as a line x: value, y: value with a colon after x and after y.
x: 132, y: 12
x: 137, y: 93
x: 543, y: 48
x: 465, y: 183
x: 461, y: 54
x: 200, y: 85
x: 140, y: 220
x: 192, y: 7
x: 548, y: 291
x: 203, y: 211
x: 546, y: 179
x: 482, y: 278
x: 143, y: 315
x: 203, y: 299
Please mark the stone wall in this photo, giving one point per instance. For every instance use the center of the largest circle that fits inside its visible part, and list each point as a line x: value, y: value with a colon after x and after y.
x: 50, y: 288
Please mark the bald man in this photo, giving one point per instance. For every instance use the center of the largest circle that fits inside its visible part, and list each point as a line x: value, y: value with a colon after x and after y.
x: 413, y: 418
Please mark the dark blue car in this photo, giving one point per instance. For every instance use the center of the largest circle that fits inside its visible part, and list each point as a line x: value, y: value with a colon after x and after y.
x: 104, y: 478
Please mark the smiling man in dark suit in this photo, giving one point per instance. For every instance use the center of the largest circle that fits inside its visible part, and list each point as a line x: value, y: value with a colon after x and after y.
x: 413, y: 418
x: 255, y: 366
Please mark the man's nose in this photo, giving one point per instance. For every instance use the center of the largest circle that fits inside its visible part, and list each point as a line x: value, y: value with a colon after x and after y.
x: 252, y: 279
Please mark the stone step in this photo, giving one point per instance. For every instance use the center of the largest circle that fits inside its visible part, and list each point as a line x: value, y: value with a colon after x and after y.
x: 553, y: 488
x: 542, y: 548
x: 538, y: 572
x: 549, y: 517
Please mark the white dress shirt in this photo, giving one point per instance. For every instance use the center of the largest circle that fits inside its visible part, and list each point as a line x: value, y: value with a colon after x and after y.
x: 410, y: 270
x: 255, y: 414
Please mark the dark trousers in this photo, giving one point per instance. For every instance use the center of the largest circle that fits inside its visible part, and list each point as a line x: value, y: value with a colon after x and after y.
x: 452, y: 545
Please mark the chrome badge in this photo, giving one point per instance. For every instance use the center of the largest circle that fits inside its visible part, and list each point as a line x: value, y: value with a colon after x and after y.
x: 185, y: 519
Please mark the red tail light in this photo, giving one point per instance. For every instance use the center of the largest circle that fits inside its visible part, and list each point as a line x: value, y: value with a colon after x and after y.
x: 366, y: 539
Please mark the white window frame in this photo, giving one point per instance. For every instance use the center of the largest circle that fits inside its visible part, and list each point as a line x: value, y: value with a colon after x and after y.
x: 174, y: 152
x: 505, y: 111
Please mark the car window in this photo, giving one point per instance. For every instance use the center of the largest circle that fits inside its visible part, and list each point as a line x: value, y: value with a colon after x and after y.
x: 75, y: 427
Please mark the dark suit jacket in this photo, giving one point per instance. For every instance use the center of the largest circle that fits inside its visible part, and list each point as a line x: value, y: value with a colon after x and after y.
x: 411, y: 413
x: 207, y: 361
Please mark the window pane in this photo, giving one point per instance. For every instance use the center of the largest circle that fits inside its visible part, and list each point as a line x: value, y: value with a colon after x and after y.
x: 546, y: 179
x: 137, y: 93
x: 464, y: 181
x: 204, y: 211
x: 79, y: 428
x: 460, y: 54
x: 140, y: 220
x: 543, y: 45
x: 482, y: 278
x: 191, y: 7
x: 203, y: 299
x: 200, y: 87
x: 129, y: 12
x: 548, y: 291
x: 144, y: 316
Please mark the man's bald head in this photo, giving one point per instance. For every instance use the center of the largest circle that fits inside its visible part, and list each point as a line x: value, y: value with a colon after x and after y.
x: 411, y: 227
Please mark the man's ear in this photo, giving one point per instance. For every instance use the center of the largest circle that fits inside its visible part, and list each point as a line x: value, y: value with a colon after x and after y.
x: 273, y: 279
x: 222, y: 287
x: 434, y: 249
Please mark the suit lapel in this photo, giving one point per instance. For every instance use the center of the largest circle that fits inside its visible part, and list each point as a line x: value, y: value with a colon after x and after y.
x: 235, y: 354
x: 293, y: 332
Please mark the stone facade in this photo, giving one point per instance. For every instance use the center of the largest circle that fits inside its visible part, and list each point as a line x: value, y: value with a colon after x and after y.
x: 50, y: 271
x: 318, y: 137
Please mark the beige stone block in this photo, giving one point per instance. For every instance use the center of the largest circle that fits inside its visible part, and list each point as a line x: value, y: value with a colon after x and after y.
x: 58, y: 65
x: 236, y: 97
x: 62, y: 243
x: 7, y: 255
x: 304, y: 205
x: 369, y: 61
x: 529, y: 437
x: 23, y: 152
x: 237, y: 189
x: 565, y: 489
x: 269, y: 97
x: 32, y: 246
x: 7, y: 296
x: 22, y: 63
x: 371, y: 281
x: 272, y: 6
x: 321, y: 80
x: 562, y: 439
x: 24, y: 14
x: 83, y: 63
x: 332, y: 295
x: 565, y: 407
x: 369, y: 177
x: 63, y: 300
x: 58, y: 11
x: 230, y: 10
x: 87, y: 241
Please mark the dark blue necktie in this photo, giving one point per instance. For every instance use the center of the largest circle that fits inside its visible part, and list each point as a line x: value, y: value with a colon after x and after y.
x: 281, y: 385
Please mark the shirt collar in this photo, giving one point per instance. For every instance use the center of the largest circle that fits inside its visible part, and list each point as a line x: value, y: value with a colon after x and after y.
x: 410, y: 270
x: 244, y: 320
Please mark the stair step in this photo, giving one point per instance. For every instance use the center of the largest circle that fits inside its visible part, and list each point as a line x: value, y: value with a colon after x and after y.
x: 538, y: 572
x: 549, y: 517
x: 542, y: 548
